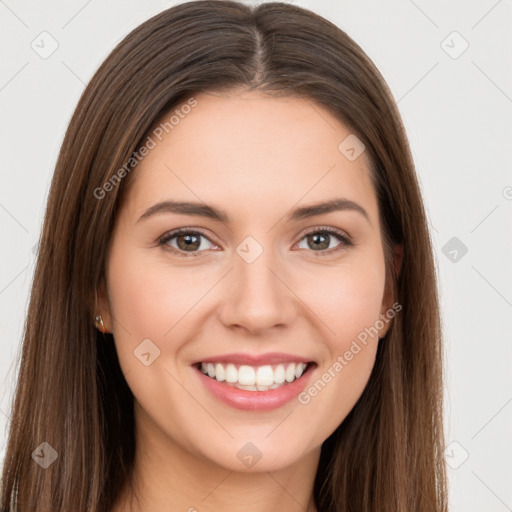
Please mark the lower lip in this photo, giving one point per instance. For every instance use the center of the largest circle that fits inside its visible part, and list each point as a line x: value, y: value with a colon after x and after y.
x: 256, y: 400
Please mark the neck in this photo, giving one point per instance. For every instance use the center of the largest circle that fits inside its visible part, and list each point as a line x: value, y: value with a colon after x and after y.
x: 166, y: 474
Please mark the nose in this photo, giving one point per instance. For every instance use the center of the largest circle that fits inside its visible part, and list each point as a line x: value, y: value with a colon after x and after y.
x: 256, y: 296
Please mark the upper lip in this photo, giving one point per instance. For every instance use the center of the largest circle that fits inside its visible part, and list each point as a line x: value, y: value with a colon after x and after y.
x: 254, y: 360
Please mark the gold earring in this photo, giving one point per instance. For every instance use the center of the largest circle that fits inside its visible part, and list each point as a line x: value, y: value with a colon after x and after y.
x: 98, y: 323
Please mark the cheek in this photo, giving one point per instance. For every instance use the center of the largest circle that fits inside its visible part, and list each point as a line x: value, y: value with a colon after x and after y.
x: 354, y: 304
x: 348, y: 299
x: 349, y: 303
x: 147, y: 297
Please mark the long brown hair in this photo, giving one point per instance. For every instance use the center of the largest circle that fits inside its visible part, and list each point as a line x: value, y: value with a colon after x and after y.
x: 387, y: 455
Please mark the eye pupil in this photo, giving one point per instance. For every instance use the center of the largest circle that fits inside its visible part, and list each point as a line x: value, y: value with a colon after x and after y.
x: 188, y: 242
x: 321, y: 245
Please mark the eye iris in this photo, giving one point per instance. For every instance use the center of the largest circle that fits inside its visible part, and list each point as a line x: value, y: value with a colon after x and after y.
x: 188, y: 243
x: 322, y: 245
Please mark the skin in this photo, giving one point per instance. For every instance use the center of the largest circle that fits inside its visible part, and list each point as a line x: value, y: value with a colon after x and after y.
x: 256, y: 157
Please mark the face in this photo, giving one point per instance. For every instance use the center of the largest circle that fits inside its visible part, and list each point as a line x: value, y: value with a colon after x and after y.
x: 257, y: 285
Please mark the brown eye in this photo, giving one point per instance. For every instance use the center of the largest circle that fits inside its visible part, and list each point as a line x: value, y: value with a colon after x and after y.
x: 320, y: 240
x: 187, y: 241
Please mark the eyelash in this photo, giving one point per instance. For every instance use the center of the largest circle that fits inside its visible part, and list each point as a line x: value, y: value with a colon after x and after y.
x: 339, y: 235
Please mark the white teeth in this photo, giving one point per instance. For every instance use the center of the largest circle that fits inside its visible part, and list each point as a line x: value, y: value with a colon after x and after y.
x: 246, y: 388
x: 231, y: 373
x: 220, y: 374
x: 299, y: 370
x: 289, y: 374
x: 246, y: 376
x: 250, y: 378
x: 265, y: 376
x: 279, y: 374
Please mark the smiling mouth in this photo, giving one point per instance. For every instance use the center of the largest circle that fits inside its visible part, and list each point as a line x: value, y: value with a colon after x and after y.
x: 255, y: 378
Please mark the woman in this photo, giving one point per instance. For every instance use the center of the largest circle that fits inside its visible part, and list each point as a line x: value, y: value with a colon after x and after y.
x: 234, y: 305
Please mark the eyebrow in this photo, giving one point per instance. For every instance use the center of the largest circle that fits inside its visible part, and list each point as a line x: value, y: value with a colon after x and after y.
x: 211, y: 212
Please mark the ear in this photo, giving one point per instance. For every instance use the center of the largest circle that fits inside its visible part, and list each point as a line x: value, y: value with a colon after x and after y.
x: 103, y: 306
x: 389, y: 299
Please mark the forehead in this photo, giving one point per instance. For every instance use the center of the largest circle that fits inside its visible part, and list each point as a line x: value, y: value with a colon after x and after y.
x: 251, y: 153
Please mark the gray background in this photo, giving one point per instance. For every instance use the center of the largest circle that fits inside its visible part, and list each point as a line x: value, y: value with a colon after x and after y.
x: 456, y: 106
